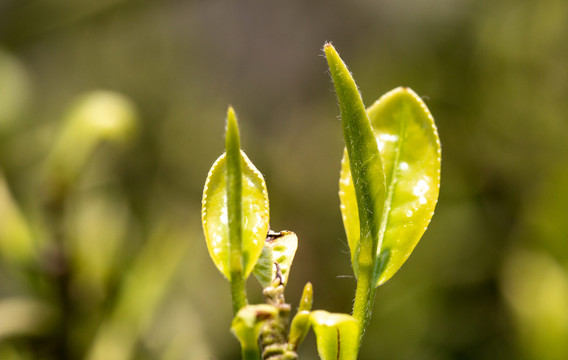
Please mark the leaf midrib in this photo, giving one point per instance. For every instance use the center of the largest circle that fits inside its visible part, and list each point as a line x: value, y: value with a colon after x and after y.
x: 390, y: 188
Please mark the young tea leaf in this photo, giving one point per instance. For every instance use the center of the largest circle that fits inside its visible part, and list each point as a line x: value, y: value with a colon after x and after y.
x: 337, y: 335
x: 255, y: 215
x: 276, y: 258
x: 365, y: 164
x: 408, y: 141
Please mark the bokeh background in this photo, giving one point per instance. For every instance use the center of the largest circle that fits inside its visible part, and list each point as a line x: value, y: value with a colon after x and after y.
x: 112, y: 112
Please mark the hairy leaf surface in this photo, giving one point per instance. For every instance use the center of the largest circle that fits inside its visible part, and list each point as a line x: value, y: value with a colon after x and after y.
x: 365, y: 163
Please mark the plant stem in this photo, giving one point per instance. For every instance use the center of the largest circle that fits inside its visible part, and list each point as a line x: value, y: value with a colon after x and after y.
x: 364, y: 298
x: 251, y: 354
x: 238, y: 291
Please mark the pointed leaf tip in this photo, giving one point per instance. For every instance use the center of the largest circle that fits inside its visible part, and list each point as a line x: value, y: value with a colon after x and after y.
x: 307, y: 298
x: 234, y: 210
x: 232, y: 136
x: 365, y: 163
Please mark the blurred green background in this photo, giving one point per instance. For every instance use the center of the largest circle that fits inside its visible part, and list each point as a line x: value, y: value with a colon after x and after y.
x: 112, y: 112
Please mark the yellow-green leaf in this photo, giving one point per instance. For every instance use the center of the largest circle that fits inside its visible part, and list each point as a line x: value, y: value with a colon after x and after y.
x: 276, y: 258
x: 255, y: 217
x: 337, y: 335
x: 301, y: 322
x: 247, y: 324
x: 408, y: 142
x: 365, y: 163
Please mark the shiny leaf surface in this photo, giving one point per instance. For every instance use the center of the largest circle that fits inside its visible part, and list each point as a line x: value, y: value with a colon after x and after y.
x: 408, y: 141
x: 336, y: 335
x: 255, y: 215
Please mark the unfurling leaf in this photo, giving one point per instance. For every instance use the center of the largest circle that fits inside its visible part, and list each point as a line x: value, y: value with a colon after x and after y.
x: 408, y: 142
x: 337, y: 335
x: 249, y: 226
x: 276, y: 258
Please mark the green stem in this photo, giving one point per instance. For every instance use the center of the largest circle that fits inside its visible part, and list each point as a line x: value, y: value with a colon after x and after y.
x: 238, y: 291
x: 251, y: 354
x: 364, y: 298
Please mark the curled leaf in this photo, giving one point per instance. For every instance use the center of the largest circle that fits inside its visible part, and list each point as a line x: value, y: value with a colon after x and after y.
x: 214, y: 215
x: 337, y: 335
x: 276, y: 258
x: 408, y: 142
x: 247, y: 324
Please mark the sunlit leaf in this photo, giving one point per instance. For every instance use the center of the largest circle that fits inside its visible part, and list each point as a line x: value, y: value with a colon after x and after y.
x: 365, y: 162
x: 247, y: 324
x: 410, y: 150
x: 276, y: 258
x: 336, y: 335
x: 254, y: 215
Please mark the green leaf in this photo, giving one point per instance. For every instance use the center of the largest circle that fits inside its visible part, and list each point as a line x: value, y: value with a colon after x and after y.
x: 215, y: 215
x: 95, y: 117
x: 247, y: 324
x: 301, y: 322
x: 365, y: 162
x: 410, y: 150
x: 276, y: 258
x: 336, y: 335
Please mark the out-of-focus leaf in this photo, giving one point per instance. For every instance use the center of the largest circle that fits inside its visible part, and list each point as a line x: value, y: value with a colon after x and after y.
x: 247, y: 324
x: 94, y: 117
x: 144, y: 286
x: 99, y: 223
x: 536, y: 288
x: 279, y: 248
x: 365, y: 164
x: 337, y: 335
x: 410, y: 150
x: 177, y: 332
x: 17, y: 244
x: 14, y: 90
x: 25, y: 317
x: 255, y: 215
